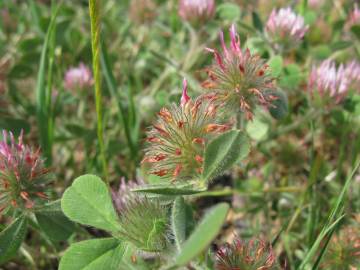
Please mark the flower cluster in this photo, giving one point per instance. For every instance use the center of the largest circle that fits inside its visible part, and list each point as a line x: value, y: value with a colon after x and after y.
x: 144, y: 222
x: 238, y: 78
x: 196, y: 11
x: 253, y: 255
x: 23, y: 177
x: 285, y: 28
x: 177, y: 139
x: 78, y: 78
x: 333, y: 83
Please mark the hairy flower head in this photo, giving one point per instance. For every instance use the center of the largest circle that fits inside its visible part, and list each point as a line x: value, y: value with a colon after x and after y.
x: 123, y: 194
x: 328, y: 82
x: 144, y: 222
x: 196, y: 11
x: 238, y: 78
x: 78, y: 78
x: 177, y: 139
x: 344, y: 250
x: 23, y: 176
x: 253, y: 255
x: 285, y: 28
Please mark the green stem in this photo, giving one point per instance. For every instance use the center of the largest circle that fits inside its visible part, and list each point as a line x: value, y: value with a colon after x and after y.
x: 94, y: 10
x: 229, y: 191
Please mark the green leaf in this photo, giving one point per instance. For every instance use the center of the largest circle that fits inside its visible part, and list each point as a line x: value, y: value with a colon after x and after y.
x: 203, y: 234
x: 356, y: 31
x: 11, y: 238
x: 340, y: 45
x: 178, y: 221
x: 223, y: 152
x: 229, y: 11
x: 257, y: 129
x: 276, y: 64
x: 54, y: 223
x: 291, y: 77
x: 168, y: 189
x: 257, y: 21
x: 88, y: 202
x: 321, y: 52
x: 279, y: 107
x: 95, y: 254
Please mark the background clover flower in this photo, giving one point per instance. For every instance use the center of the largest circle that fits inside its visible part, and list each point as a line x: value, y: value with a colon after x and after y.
x: 328, y: 82
x: 238, y: 78
x: 285, y: 28
x: 196, y: 11
x: 354, y: 17
x: 253, y: 255
x: 177, y: 139
x: 144, y: 222
x: 23, y: 176
x: 352, y: 73
x: 78, y: 78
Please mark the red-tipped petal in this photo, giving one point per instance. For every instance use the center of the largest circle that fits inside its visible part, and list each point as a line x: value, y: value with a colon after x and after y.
x: 184, y: 97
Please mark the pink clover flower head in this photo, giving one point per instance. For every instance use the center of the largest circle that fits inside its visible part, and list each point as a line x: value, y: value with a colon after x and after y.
x: 285, y: 28
x: 196, y: 11
x: 78, y: 78
x: 329, y: 82
x: 23, y: 176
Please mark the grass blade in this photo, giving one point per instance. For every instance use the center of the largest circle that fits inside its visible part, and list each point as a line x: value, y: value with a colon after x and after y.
x: 42, y: 109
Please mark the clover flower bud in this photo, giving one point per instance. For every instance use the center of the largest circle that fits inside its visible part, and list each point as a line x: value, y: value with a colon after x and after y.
x: 196, y: 11
x: 354, y: 17
x: 144, y: 222
x: 23, y: 176
x: 285, y: 28
x: 238, y: 78
x: 177, y: 139
x: 78, y: 78
x: 328, y: 82
x: 123, y: 193
x: 252, y: 255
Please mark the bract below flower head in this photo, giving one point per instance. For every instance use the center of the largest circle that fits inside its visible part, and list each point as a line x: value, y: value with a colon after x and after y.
x: 328, y: 82
x: 78, y: 78
x: 144, y: 222
x: 23, y: 176
x: 285, y: 28
x: 252, y: 255
x: 196, y: 11
x: 238, y: 78
x: 177, y: 139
